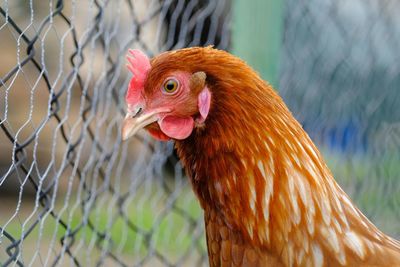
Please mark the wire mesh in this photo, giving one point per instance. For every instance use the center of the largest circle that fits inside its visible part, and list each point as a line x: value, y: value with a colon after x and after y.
x: 73, y: 195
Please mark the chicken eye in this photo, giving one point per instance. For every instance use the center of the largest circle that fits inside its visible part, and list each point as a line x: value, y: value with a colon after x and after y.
x: 170, y: 85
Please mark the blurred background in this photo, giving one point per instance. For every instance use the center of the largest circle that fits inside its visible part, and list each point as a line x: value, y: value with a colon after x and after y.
x: 72, y: 194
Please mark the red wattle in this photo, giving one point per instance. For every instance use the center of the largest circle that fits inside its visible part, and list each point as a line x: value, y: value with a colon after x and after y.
x: 158, y: 135
x: 177, y: 127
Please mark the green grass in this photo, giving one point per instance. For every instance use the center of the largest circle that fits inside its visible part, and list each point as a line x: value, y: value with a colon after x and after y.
x: 158, y: 225
x: 373, y: 183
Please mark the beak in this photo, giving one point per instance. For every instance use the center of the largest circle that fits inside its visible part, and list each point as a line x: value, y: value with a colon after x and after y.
x: 134, y: 122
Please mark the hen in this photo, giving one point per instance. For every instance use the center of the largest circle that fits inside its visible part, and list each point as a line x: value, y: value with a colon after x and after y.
x: 268, y: 197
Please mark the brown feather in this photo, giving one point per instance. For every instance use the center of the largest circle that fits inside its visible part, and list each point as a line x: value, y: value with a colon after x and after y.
x: 268, y: 196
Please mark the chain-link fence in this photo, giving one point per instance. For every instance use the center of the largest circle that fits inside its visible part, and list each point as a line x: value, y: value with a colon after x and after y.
x: 71, y: 194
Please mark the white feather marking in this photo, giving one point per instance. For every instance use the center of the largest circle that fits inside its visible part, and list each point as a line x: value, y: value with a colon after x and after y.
x: 264, y: 232
x: 296, y: 214
x: 331, y: 238
x: 336, y: 201
x: 291, y: 185
x: 260, y: 166
x: 290, y: 253
x: 325, y: 207
x: 218, y: 187
x: 296, y: 159
x: 312, y: 151
x: 269, y: 187
x: 340, y: 211
x: 234, y: 178
x: 354, y: 243
x: 345, y: 222
x: 253, y: 194
x: 306, y: 243
x: 266, y: 208
x: 350, y: 205
x: 289, y: 144
x: 271, y: 140
x: 318, y: 256
x: 253, y: 204
x: 355, y: 212
x: 370, y: 245
x: 243, y: 162
x: 293, y: 199
x: 310, y: 223
x: 250, y: 229
x: 300, y: 256
x: 312, y: 171
x: 337, y: 226
x: 286, y: 224
x: 271, y: 165
x: 303, y: 191
x: 343, y: 218
x: 342, y: 257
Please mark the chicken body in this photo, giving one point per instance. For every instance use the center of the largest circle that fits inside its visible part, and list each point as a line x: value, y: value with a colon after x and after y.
x: 268, y: 197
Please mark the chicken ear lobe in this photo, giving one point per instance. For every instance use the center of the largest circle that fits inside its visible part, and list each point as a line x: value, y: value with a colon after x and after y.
x: 203, y: 102
x: 198, y: 88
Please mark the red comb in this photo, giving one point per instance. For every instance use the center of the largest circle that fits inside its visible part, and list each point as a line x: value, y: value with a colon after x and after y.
x: 139, y: 65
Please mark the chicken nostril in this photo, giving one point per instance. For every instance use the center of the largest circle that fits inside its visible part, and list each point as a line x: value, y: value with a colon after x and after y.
x: 137, y: 113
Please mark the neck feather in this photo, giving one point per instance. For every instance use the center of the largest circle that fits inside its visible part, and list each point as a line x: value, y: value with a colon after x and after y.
x: 254, y: 163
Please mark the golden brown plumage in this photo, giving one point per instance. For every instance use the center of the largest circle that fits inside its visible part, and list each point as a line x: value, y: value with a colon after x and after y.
x: 268, y: 197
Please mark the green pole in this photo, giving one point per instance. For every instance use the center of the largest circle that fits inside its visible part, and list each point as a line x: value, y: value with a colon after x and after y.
x: 257, y: 35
